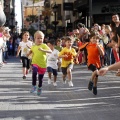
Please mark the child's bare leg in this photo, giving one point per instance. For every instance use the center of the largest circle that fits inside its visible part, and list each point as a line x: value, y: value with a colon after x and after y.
x: 95, y: 80
x: 49, y: 75
x: 64, y: 78
x: 24, y: 71
x: 69, y: 74
x: 92, y: 81
x: 55, y: 78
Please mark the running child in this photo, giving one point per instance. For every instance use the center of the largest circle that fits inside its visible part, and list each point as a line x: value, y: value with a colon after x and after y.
x: 68, y: 55
x: 39, y: 58
x: 93, y: 51
x: 23, y: 47
x: 52, y: 60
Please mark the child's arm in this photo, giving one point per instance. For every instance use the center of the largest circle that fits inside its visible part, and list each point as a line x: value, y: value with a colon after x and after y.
x: 30, y: 52
x: 63, y: 56
x: 18, y: 51
x: 47, y: 51
x: 76, y: 58
x: 101, y: 51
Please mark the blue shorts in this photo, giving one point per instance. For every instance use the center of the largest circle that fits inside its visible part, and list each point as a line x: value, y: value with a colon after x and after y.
x: 54, y: 71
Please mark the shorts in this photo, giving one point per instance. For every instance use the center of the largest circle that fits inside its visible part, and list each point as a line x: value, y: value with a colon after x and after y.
x: 64, y: 69
x: 54, y: 71
x: 39, y: 69
x: 93, y: 68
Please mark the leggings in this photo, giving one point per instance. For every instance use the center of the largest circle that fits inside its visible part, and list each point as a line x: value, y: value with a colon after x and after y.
x: 34, y: 77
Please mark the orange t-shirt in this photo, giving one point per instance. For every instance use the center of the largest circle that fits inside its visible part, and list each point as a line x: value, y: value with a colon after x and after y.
x: 93, y: 55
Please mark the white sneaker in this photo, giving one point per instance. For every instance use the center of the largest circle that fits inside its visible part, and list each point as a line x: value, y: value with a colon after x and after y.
x: 64, y: 81
x: 49, y: 81
x: 54, y: 84
x: 70, y: 84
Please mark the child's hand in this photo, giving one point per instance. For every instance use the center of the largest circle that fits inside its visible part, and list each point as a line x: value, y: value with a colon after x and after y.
x: 41, y: 49
x: 65, y: 56
x: 77, y: 62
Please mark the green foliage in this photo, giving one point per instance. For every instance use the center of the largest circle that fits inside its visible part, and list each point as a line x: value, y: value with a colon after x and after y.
x: 32, y: 18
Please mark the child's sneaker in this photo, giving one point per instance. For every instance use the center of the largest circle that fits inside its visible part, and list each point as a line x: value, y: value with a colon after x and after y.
x: 24, y: 77
x: 33, y: 89
x: 90, y: 85
x: 95, y: 90
x: 49, y: 81
x: 70, y: 84
x: 64, y: 81
x: 54, y: 84
x: 39, y: 91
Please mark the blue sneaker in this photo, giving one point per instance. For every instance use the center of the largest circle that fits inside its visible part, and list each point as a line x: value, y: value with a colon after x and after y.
x: 39, y: 91
x: 33, y: 89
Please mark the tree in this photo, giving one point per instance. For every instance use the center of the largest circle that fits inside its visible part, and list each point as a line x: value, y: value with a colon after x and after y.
x: 32, y: 18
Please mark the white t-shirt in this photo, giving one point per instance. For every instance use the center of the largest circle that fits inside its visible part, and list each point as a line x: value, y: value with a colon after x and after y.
x: 52, y: 59
x: 1, y: 52
x: 24, y: 48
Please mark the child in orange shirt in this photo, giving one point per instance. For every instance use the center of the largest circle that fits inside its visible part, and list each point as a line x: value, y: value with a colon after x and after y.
x: 93, y: 50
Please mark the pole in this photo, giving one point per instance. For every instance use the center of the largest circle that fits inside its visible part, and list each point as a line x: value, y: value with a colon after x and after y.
x: 55, y: 22
x: 90, y: 12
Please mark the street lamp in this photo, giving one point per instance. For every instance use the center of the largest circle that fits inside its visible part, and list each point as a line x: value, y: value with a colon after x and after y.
x: 55, y: 7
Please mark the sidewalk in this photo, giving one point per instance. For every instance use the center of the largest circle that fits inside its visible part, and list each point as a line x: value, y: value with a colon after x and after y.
x: 57, y: 103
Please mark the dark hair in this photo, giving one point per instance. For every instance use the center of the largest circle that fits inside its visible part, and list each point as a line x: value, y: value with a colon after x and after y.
x: 80, y: 25
x: 113, y: 26
x: 92, y: 34
x: 51, y: 41
x: 115, y: 39
x: 24, y: 33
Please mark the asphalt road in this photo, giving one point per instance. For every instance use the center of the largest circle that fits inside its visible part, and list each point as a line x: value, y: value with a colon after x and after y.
x: 57, y: 103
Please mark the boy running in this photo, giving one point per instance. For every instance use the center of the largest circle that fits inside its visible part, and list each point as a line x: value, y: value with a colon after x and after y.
x: 67, y: 54
x: 94, y: 50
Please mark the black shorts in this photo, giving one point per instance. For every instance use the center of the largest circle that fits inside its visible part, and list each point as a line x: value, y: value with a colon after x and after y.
x: 93, y: 68
x: 25, y: 62
x: 64, y: 69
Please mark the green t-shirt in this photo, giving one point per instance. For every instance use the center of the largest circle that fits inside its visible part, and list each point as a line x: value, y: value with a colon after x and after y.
x: 59, y: 48
x: 39, y: 57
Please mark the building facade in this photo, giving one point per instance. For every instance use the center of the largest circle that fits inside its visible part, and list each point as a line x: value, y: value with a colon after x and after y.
x: 99, y: 10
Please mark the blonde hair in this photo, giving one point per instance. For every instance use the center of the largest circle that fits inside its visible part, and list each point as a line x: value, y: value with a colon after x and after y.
x: 108, y: 27
x: 38, y: 33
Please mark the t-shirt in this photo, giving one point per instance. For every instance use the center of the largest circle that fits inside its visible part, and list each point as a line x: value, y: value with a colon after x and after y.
x: 71, y: 53
x: 52, y: 59
x: 59, y: 48
x: 24, y: 48
x: 93, y: 55
x: 39, y: 57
